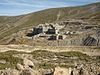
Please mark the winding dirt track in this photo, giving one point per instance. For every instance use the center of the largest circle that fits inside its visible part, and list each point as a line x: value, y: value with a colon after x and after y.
x: 25, y: 48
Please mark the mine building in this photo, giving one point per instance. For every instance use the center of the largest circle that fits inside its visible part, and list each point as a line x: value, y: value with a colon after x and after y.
x: 57, y: 37
x: 50, y: 29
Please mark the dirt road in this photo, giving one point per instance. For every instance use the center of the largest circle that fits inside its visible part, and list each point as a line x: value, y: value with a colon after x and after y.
x: 92, y: 51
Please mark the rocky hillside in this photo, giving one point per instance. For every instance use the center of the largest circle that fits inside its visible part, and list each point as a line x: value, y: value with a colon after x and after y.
x: 30, y: 60
x: 10, y: 25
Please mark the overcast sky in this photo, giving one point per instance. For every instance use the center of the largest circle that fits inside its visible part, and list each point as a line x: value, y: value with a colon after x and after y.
x: 18, y: 7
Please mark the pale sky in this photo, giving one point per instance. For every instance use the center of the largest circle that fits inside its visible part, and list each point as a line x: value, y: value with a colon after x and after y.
x: 19, y: 7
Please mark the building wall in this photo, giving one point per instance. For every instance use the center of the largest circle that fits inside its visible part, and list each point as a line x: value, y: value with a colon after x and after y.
x: 37, y: 31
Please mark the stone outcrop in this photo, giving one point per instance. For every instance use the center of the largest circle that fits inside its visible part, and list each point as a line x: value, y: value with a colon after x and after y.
x: 28, y: 63
x: 10, y: 72
x: 27, y: 69
x: 86, y: 70
x: 19, y: 67
x: 62, y: 71
x: 78, y: 70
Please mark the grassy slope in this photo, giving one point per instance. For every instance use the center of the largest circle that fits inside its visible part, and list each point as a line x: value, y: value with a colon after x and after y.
x: 39, y: 55
x: 10, y: 60
x: 49, y: 15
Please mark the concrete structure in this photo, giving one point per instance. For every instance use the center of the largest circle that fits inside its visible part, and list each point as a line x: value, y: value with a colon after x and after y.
x: 69, y: 33
x: 39, y: 29
x: 52, y: 31
x: 53, y: 37
x: 57, y: 37
x: 48, y: 29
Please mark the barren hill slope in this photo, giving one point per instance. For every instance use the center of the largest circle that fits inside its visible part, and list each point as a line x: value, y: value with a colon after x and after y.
x: 10, y: 25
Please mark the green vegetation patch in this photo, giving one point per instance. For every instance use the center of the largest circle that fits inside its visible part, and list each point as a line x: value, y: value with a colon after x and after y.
x: 46, y: 65
x: 43, y: 54
x: 73, y: 54
x: 10, y: 61
x: 66, y: 59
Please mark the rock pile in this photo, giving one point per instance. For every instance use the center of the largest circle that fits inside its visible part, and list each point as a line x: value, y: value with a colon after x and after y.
x: 28, y: 69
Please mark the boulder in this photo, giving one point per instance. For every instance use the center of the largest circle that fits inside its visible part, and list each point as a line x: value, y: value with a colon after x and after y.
x: 28, y: 63
x: 19, y: 67
x: 75, y: 72
x: 46, y: 71
x: 2, y: 61
x: 10, y: 72
x: 62, y: 71
x: 29, y: 71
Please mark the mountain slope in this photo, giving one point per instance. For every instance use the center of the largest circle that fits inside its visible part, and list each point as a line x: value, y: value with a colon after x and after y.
x: 10, y: 25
